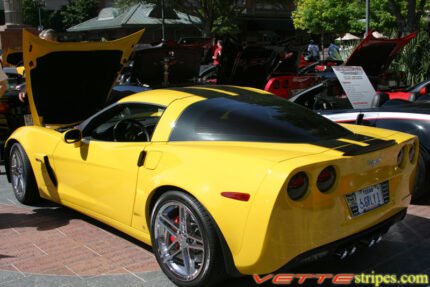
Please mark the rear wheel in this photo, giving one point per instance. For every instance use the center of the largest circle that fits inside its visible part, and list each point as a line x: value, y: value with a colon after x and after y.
x: 22, y: 177
x: 185, y: 242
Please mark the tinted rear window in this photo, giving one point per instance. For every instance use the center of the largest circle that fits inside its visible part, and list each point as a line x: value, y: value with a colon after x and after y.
x: 262, y: 118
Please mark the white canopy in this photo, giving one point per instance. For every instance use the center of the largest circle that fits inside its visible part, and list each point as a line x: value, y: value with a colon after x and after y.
x: 349, y: 36
x: 376, y: 34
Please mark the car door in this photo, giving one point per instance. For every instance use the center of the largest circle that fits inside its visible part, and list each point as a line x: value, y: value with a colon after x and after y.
x: 99, y: 174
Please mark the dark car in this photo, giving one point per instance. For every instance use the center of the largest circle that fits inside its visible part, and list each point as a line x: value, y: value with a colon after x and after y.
x: 420, y: 91
x: 373, y: 54
x: 11, y: 109
x: 329, y: 99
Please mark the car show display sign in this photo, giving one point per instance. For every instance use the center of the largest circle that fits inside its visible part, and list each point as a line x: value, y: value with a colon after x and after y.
x: 356, y: 85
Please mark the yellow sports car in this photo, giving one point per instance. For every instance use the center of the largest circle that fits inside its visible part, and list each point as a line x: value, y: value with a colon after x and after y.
x: 218, y: 179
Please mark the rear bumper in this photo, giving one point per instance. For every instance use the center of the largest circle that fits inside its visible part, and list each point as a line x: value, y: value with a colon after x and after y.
x: 356, y: 239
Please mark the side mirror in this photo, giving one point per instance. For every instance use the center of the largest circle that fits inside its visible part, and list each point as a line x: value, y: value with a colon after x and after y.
x: 72, y: 136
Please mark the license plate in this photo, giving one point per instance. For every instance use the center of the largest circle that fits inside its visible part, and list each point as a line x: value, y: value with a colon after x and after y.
x: 368, y: 198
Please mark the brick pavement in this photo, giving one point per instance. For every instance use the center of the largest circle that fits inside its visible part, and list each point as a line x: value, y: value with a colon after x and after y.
x: 48, y: 245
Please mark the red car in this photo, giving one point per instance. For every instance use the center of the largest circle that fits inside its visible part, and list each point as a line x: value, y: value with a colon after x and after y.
x: 373, y: 54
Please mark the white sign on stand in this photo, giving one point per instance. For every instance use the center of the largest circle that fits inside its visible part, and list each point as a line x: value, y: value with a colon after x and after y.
x: 356, y: 85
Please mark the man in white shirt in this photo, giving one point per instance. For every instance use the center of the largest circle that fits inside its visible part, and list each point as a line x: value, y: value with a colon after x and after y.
x: 3, y: 82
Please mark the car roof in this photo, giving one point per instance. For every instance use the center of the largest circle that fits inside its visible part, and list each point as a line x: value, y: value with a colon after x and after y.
x: 166, y: 96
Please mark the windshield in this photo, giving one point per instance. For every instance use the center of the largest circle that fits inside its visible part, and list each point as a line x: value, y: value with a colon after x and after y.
x: 262, y: 118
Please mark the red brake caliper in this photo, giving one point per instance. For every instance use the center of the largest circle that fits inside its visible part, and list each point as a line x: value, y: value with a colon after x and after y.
x: 176, y: 221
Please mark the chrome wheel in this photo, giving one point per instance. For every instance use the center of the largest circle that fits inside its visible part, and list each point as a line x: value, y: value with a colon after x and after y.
x: 180, y: 244
x: 21, y: 175
x: 17, y: 173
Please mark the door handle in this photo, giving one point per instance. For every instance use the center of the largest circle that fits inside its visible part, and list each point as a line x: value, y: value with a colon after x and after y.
x: 141, y: 159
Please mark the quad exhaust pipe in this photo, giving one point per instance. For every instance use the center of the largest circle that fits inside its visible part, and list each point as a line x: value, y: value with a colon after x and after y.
x: 372, y: 241
x: 349, y: 250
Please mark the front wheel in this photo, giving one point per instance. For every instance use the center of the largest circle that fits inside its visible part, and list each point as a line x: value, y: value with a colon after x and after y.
x: 22, y: 177
x: 185, y: 242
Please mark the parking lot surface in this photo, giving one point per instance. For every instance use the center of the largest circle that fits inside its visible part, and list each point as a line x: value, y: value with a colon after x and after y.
x: 49, y: 245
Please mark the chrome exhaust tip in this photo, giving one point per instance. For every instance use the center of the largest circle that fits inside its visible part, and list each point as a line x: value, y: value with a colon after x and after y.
x: 352, y: 250
x: 342, y: 253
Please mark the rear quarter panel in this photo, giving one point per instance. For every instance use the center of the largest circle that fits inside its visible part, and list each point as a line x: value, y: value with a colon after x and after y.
x: 204, y: 172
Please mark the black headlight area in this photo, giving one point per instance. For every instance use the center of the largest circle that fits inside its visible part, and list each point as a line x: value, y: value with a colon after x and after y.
x: 298, y: 186
x: 326, y: 179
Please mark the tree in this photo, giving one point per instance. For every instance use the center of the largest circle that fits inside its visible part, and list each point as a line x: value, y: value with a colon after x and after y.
x: 415, y: 59
x: 407, y: 13
x: 392, y: 17
x: 322, y: 17
x: 214, y: 15
x: 78, y: 11
x: 401, y: 16
x: 71, y: 14
x: 30, y: 13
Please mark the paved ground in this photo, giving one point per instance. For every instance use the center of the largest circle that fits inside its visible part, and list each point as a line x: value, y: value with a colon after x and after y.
x: 48, y: 245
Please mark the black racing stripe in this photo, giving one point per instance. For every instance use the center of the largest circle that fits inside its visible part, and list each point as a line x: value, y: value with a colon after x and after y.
x: 334, y: 144
x: 350, y: 149
x: 374, y: 145
x: 204, y: 93
x: 242, y: 93
x: 238, y: 90
x: 358, y: 137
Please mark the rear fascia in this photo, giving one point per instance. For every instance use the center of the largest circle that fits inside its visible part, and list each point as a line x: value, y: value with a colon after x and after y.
x: 271, y: 240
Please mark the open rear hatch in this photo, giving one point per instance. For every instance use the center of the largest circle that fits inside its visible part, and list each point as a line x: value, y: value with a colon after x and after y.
x: 69, y: 81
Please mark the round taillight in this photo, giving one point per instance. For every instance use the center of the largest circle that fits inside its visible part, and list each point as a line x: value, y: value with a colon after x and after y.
x: 412, y: 152
x: 401, y: 156
x: 298, y: 185
x: 326, y: 179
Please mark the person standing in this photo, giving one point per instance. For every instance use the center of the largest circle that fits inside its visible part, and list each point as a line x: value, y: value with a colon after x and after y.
x: 333, y: 52
x: 217, y: 55
x: 313, y: 51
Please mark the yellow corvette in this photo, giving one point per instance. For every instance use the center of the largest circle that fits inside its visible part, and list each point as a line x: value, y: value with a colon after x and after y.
x: 218, y: 179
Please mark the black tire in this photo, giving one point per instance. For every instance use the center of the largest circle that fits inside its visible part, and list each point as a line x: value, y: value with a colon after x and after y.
x: 172, y: 238
x: 422, y: 180
x: 22, y: 177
